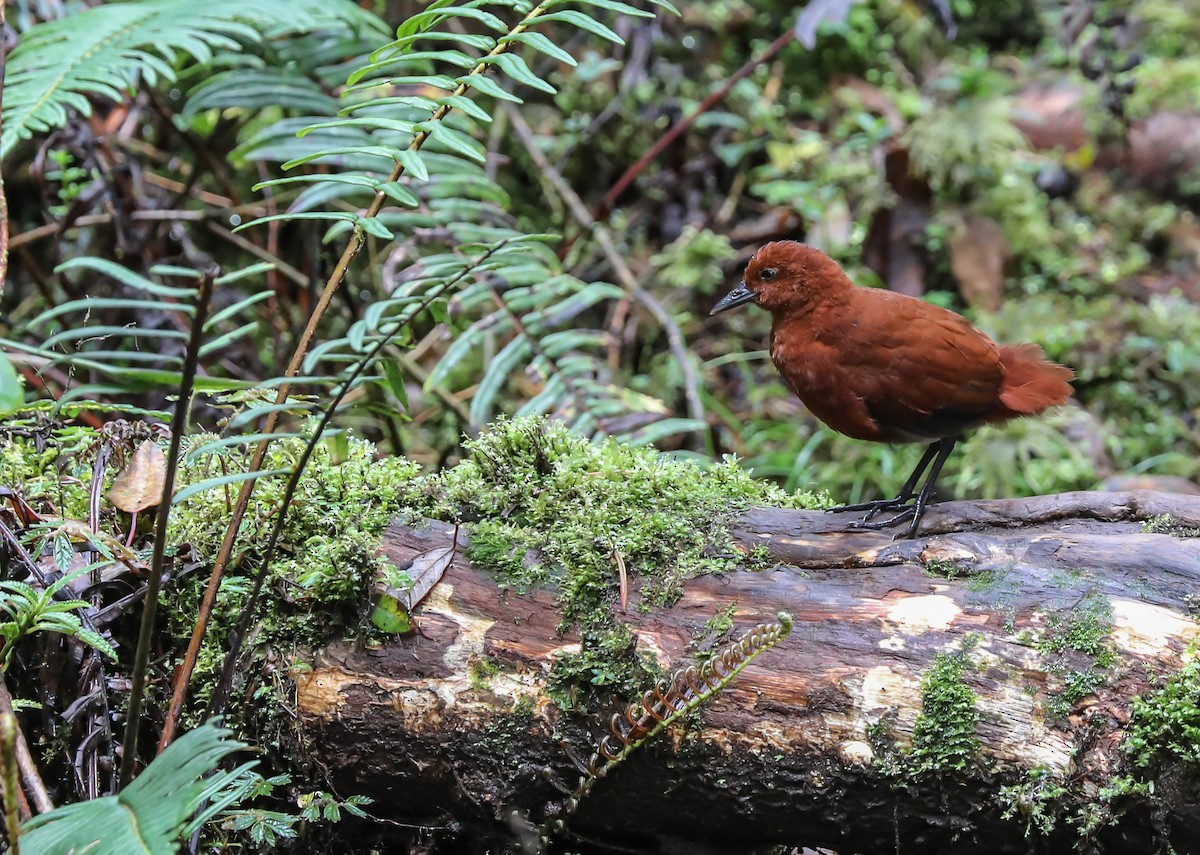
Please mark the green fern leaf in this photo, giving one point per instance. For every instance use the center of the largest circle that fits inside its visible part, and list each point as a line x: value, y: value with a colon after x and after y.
x: 105, y: 50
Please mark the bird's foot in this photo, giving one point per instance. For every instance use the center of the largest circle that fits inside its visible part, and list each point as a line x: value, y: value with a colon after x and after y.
x: 909, y: 513
x: 872, y: 508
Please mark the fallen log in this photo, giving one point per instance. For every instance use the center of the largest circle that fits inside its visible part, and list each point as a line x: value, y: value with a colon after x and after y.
x: 1053, y: 612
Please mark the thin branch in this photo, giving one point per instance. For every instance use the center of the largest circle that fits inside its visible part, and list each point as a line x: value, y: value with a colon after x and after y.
x: 179, y: 422
x: 55, y: 229
x: 680, y: 127
x: 675, y: 341
x: 29, y: 771
x: 11, y: 787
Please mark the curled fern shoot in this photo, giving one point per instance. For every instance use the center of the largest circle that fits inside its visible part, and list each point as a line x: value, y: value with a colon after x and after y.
x: 688, y: 690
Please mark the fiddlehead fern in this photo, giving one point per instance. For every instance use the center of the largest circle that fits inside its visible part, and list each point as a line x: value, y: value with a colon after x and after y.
x: 688, y: 690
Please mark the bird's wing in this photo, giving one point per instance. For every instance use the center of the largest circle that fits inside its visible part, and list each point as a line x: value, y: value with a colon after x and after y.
x: 922, y: 371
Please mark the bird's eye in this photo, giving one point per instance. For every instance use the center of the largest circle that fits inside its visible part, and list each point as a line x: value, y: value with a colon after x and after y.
x: 767, y: 274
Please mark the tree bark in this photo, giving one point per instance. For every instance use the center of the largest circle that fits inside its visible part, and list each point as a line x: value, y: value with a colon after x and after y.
x: 793, y: 751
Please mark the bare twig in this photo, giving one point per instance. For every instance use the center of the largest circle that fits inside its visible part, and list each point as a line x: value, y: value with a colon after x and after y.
x: 179, y: 422
x: 29, y: 771
x: 678, y: 129
x: 675, y: 341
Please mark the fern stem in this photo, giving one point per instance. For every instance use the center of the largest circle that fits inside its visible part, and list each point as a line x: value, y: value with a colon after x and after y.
x: 179, y: 420
x: 187, y: 667
x: 689, y: 689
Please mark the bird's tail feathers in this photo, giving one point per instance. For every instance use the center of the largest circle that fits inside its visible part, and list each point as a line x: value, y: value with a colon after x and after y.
x: 1031, y: 382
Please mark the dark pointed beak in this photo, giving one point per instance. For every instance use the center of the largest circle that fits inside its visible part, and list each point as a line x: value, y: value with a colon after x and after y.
x: 739, y: 295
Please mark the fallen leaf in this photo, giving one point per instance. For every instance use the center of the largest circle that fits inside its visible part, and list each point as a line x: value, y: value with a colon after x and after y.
x: 426, y: 571
x: 389, y: 615
x: 140, y: 484
x: 978, y: 253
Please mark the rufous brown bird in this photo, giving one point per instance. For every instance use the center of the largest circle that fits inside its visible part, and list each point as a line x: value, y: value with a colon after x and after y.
x: 881, y: 366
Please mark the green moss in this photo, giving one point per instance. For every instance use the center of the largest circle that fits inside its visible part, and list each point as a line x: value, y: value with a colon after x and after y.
x: 50, y: 465
x: 548, y: 507
x: 1167, y: 524
x: 1166, y: 722
x: 944, y: 569
x: 1039, y: 800
x: 480, y: 671
x: 1077, y: 651
x: 944, y: 734
x: 1084, y: 628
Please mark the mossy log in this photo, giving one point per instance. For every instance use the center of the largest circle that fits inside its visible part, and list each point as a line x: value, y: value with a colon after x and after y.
x: 1063, y: 608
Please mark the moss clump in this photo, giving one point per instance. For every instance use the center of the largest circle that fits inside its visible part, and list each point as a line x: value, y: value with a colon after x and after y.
x: 1167, y: 524
x: 327, y: 557
x: 1167, y: 721
x: 1039, y: 799
x: 1078, y: 653
x: 944, y: 734
x: 1085, y: 629
x: 549, y: 507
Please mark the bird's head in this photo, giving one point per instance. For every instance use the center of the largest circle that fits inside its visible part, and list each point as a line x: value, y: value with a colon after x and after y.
x: 785, y: 275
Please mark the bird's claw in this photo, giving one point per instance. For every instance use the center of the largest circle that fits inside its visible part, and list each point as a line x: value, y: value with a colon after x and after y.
x: 872, y: 508
x: 908, y: 513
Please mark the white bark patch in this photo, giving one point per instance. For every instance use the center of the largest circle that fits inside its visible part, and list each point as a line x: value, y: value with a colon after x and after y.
x: 472, y: 631
x: 884, y: 689
x: 1147, y: 629
x: 918, y: 615
x: 856, y: 753
x: 1028, y: 741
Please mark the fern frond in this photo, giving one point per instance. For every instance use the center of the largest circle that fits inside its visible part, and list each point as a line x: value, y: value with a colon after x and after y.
x: 58, y: 66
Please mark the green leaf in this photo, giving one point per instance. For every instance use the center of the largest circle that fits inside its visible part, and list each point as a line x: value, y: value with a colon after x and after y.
x: 393, y: 375
x: 479, y: 42
x: 467, y: 106
x: 59, y: 65
x: 118, y: 332
x: 236, y: 308
x: 210, y: 347
x: 186, y: 493
x: 583, y: 22
x: 614, y: 6
x: 12, y: 394
x: 389, y: 615
x: 213, y: 446
x: 539, y: 42
x: 506, y: 361
x: 485, y: 84
x: 413, y: 164
x: 147, y: 816
x: 126, y: 277
x: 455, y: 141
x: 88, y: 304
x: 432, y: 17
x: 515, y: 67
x: 399, y: 193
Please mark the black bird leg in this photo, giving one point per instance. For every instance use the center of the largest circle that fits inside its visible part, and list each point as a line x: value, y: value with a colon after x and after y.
x: 917, y: 510
x: 906, y: 492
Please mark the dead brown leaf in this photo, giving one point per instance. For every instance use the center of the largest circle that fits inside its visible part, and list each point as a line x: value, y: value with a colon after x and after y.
x: 426, y: 570
x: 140, y: 484
x: 978, y: 253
